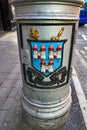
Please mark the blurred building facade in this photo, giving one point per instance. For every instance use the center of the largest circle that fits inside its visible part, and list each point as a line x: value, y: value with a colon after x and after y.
x: 6, y: 15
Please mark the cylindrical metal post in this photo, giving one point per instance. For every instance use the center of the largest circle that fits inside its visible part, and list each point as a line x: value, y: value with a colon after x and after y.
x: 46, y: 31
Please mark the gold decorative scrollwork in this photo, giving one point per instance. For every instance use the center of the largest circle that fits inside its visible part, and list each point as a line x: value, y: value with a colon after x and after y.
x: 57, y: 38
x: 34, y: 33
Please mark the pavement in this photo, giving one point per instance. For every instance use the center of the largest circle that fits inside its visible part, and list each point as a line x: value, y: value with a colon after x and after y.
x: 80, y: 57
x: 80, y: 65
x: 11, y: 117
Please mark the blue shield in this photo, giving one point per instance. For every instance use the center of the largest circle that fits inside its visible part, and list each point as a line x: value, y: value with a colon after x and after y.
x: 46, y: 56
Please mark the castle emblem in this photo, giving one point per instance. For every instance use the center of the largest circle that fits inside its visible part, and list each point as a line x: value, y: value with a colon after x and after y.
x: 47, y: 56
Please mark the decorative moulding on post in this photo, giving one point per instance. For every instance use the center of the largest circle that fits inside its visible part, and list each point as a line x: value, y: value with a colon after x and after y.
x: 79, y: 2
